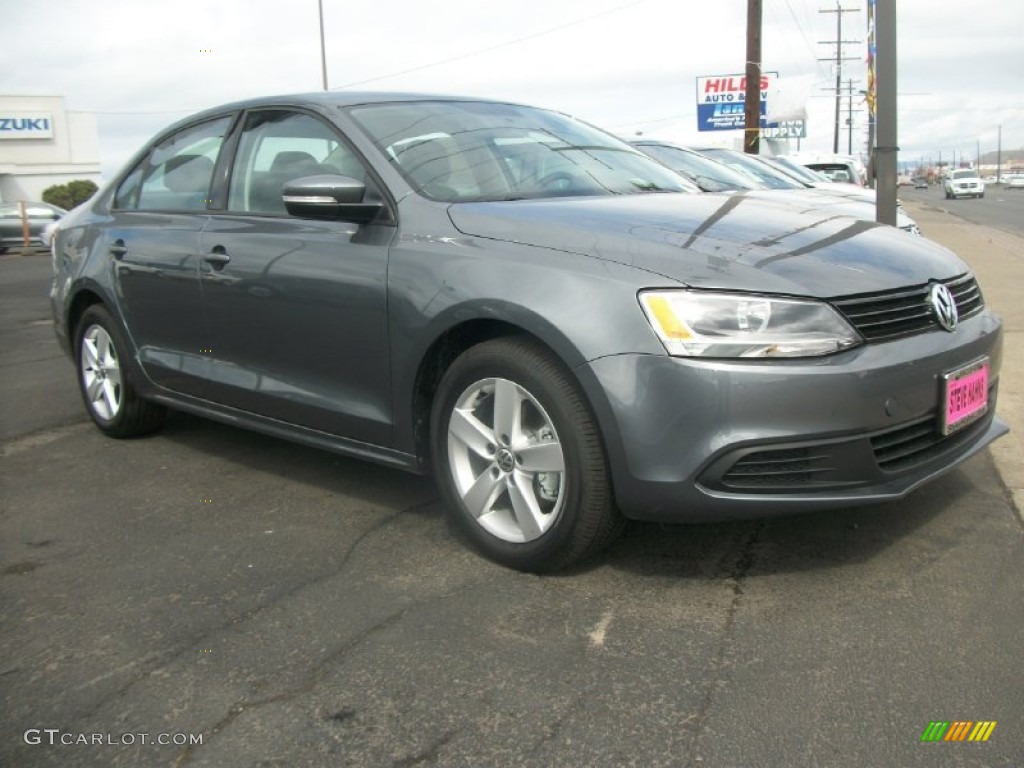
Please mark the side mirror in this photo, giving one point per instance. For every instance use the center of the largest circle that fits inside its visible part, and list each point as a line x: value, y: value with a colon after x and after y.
x: 329, y: 196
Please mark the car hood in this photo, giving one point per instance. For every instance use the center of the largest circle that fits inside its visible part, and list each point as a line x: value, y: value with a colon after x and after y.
x: 728, y: 241
x: 859, y: 204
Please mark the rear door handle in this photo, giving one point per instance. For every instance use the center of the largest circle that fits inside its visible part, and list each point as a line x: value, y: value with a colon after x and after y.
x: 217, y: 258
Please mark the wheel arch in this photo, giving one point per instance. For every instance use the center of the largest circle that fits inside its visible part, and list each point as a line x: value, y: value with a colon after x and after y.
x: 83, y: 299
x: 456, y: 339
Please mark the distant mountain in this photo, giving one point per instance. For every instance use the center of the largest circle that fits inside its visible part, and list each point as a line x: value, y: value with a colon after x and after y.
x: 1009, y: 156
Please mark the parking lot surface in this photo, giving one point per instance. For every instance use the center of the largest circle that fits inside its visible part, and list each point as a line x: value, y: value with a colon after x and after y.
x: 290, y: 607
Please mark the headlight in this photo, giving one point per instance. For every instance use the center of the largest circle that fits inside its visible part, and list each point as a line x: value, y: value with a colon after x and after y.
x: 705, y: 324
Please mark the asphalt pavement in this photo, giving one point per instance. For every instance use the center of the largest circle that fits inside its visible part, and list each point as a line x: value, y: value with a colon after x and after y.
x: 287, y: 607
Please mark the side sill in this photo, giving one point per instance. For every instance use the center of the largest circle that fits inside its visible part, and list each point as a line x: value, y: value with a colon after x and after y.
x: 296, y: 434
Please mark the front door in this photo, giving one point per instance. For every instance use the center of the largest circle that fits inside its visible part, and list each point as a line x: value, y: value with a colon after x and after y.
x: 297, y: 309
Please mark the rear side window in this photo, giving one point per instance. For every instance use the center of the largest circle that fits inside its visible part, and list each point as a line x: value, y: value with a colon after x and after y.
x: 176, y: 174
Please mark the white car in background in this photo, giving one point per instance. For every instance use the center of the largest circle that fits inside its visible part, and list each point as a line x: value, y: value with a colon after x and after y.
x: 1015, y: 182
x: 963, y: 182
x: 842, y: 169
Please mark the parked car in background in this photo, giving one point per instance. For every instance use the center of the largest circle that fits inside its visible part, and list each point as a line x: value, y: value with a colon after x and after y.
x: 963, y: 182
x: 1015, y: 182
x: 920, y: 182
x: 801, y: 172
x: 546, y: 319
x: 845, y: 169
x: 767, y: 179
x: 709, y: 175
x: 40, y: 216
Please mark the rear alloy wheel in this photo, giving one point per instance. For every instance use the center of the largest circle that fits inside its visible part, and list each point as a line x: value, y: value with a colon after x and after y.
x: 519, y: 457
x: 105, y: 382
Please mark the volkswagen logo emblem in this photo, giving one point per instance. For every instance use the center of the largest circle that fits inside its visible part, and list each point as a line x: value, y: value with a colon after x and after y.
x: 944, y: 304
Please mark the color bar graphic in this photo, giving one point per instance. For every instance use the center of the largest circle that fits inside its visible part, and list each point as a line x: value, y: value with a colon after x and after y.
x: 958, y: 730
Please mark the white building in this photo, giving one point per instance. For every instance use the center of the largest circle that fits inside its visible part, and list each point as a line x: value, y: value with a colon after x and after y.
x: 42, y: 144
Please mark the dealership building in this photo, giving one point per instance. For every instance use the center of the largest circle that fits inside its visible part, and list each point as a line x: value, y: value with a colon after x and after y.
x: 42, y: 144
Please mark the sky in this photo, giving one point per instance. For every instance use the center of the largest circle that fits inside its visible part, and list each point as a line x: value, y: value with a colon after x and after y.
x: 629, y: 66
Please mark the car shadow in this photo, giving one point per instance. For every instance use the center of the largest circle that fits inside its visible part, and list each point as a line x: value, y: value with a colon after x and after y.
x: 710, y: 551
x: 789, y: 543
x: 353, y: 478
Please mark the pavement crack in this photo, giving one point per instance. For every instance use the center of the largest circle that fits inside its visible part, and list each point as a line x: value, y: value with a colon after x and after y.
x: 147, y: 670
x: 428, y: 755
x: 318, y: 671
x: 735, y: 576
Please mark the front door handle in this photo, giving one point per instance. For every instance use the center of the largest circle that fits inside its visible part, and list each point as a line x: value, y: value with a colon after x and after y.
x: 118, y: 249
x: 217, y: 258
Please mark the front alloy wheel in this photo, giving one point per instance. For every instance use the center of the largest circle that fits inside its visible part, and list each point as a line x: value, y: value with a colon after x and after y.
x: 506, y: 460
x: 519, y: 457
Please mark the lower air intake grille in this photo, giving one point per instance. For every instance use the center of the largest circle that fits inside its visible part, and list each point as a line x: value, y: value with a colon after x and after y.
x: 916, y: 443
x: 788, y: 467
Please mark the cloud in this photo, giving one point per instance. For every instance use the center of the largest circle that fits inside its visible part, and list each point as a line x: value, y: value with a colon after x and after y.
x: 623, y: 64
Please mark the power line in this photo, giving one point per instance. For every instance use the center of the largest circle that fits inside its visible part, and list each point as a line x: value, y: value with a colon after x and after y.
x: 488, y: 49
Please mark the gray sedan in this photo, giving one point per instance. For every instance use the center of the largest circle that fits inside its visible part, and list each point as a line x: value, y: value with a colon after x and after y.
x: 543, y: 317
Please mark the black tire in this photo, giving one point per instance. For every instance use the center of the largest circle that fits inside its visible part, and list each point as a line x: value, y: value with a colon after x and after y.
x: 577, y: 516
x: 113, y: 405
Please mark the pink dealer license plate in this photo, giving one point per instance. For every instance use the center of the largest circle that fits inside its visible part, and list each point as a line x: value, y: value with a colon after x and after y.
x: 965, y: 396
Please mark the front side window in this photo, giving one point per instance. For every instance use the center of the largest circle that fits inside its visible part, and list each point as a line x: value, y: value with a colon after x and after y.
x: 474, y: 151
x: 278, y: 146
x: 176, y: 174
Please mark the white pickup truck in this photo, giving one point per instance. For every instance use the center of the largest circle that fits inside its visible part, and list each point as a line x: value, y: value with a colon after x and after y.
x: 964, y: 182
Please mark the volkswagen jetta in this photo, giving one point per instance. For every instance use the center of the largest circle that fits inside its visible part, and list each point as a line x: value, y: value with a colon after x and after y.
x: 543, y: 317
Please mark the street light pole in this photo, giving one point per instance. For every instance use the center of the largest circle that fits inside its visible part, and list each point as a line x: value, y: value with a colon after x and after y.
x: 323, y: 48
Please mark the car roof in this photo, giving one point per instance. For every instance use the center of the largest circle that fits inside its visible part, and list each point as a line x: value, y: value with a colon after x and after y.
x: 337, y: 99
x: 319, y: 100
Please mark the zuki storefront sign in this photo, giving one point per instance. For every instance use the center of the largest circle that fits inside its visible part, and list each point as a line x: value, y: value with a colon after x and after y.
x: 26, y: 125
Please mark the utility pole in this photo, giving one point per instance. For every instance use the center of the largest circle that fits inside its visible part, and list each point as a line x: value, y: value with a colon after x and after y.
x: 999, y: 155
x: 839, y: 59
x: 752, y: 95
x: 849, y: 91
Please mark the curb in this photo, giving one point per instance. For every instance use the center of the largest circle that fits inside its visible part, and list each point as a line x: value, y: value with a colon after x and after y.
x: 997, y: 258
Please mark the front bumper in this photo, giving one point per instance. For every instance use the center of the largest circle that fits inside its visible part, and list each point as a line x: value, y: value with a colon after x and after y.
x: 966, y: 190
x: 708, y: 440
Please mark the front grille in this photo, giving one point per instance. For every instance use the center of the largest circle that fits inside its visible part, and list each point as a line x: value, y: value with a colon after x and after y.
x: 886, y: 315
x: 787, y: 467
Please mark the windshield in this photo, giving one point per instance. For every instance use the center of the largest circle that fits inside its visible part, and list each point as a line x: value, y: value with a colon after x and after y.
x: 477, y: 151
x: 709, y: 175
x: 768, y: 177
x: 971, y: 174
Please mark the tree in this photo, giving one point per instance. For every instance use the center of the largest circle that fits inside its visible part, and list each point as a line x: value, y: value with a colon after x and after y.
x: 69, y: 195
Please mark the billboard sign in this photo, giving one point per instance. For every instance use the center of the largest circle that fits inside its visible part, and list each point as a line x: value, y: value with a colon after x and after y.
x: 720, y: 101
x: 785, y: 129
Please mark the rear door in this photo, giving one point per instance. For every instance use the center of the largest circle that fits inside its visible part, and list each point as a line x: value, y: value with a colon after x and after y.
x: 153, y: 242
